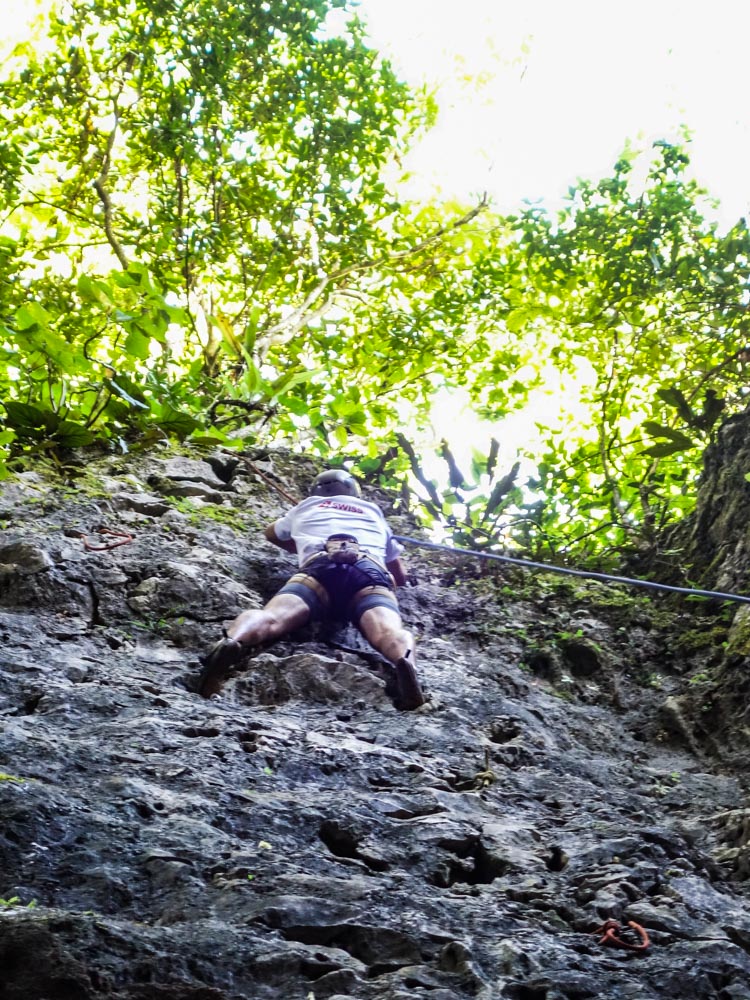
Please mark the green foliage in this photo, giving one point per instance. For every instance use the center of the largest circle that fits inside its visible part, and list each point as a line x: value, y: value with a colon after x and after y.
x: 197, y: 238
x: 15, y: 901
x: 654, y: 299
x: 632, y: 299
x: 201, y: 238
x: 199, y: 513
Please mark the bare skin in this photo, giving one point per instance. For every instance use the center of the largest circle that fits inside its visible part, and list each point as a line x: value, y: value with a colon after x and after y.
x: 382, y: 627
x: 282, y: 614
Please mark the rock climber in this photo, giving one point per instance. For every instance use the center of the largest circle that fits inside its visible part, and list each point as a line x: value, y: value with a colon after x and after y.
x: 349, y: 567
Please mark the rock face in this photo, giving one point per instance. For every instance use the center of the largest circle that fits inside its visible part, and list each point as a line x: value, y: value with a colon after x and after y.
x: 298, y: 837
x: 715, y: 541
x: 714, y: 549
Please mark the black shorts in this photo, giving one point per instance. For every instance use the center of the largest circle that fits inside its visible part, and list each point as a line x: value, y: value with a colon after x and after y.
x: 343, y: 592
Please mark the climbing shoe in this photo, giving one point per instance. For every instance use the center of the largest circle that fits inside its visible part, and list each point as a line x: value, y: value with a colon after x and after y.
x: 217, y: 664
x: 408, y: 692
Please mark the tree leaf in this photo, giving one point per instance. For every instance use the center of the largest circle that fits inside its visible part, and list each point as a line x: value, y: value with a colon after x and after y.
x: 294, y: 404
x: 29, y: 420
x: 666, y: 448
x: 673, y: 396
x: 128, y: 396
x: 677, y: 437
x: 31, y: 314
x: 174, y: 421
x: 72, y: 435
x: 137, y: 344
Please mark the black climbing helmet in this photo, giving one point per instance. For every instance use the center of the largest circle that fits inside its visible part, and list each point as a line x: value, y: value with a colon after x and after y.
x: 335, y: 483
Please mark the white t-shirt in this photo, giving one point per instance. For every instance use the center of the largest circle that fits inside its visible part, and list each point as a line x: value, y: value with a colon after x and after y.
x: 311, y: 522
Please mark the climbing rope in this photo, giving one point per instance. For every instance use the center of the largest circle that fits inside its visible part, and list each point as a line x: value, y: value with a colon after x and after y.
x: 119, y: 538
x: 266, y: 479
x: 587, y: 574
x: 527, y: 563
x: 612, y: 930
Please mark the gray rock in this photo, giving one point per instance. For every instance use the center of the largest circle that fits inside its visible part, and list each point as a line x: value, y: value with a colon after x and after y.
x: 141, y: 503
x: 192, y: 470
x: 298, y: 836
x: 23, y: 558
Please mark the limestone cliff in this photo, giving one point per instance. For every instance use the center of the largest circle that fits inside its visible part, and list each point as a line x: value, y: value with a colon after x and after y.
x: 298, y: 837
x: 712, y: 547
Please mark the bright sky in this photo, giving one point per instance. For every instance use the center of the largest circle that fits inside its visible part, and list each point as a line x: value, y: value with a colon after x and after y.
x: 16, y: 14
x: 564, y: 84
x: 536, y: 93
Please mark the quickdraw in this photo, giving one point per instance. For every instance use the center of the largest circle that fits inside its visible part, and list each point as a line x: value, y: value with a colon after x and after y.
x: 122, y: 538
x: 611, y: 930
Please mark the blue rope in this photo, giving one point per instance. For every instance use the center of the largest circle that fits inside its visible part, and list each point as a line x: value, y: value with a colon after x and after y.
x: 589, y: 575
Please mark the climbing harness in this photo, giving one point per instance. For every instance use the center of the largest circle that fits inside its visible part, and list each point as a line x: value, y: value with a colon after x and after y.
x: 121, y: 538
x: 590, y: 575
x: 529, y: 564
x: 343, y: 549
x: 611, y: 930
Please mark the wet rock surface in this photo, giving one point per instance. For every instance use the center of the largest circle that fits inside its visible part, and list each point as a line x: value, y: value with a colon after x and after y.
x: 298, y: 837
x: 713, y: 548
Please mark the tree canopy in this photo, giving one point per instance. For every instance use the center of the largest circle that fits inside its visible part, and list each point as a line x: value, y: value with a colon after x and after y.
x: 202, y: 235
x: 633, y: 295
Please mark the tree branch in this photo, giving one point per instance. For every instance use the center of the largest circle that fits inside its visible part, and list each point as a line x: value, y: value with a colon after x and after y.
x: 111, y: 238
x: 436, y: 507
x: 102, y: 179
x: 286, y: 328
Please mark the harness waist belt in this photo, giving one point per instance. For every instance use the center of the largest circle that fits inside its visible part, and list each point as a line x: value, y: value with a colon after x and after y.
x: 325, y: 554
